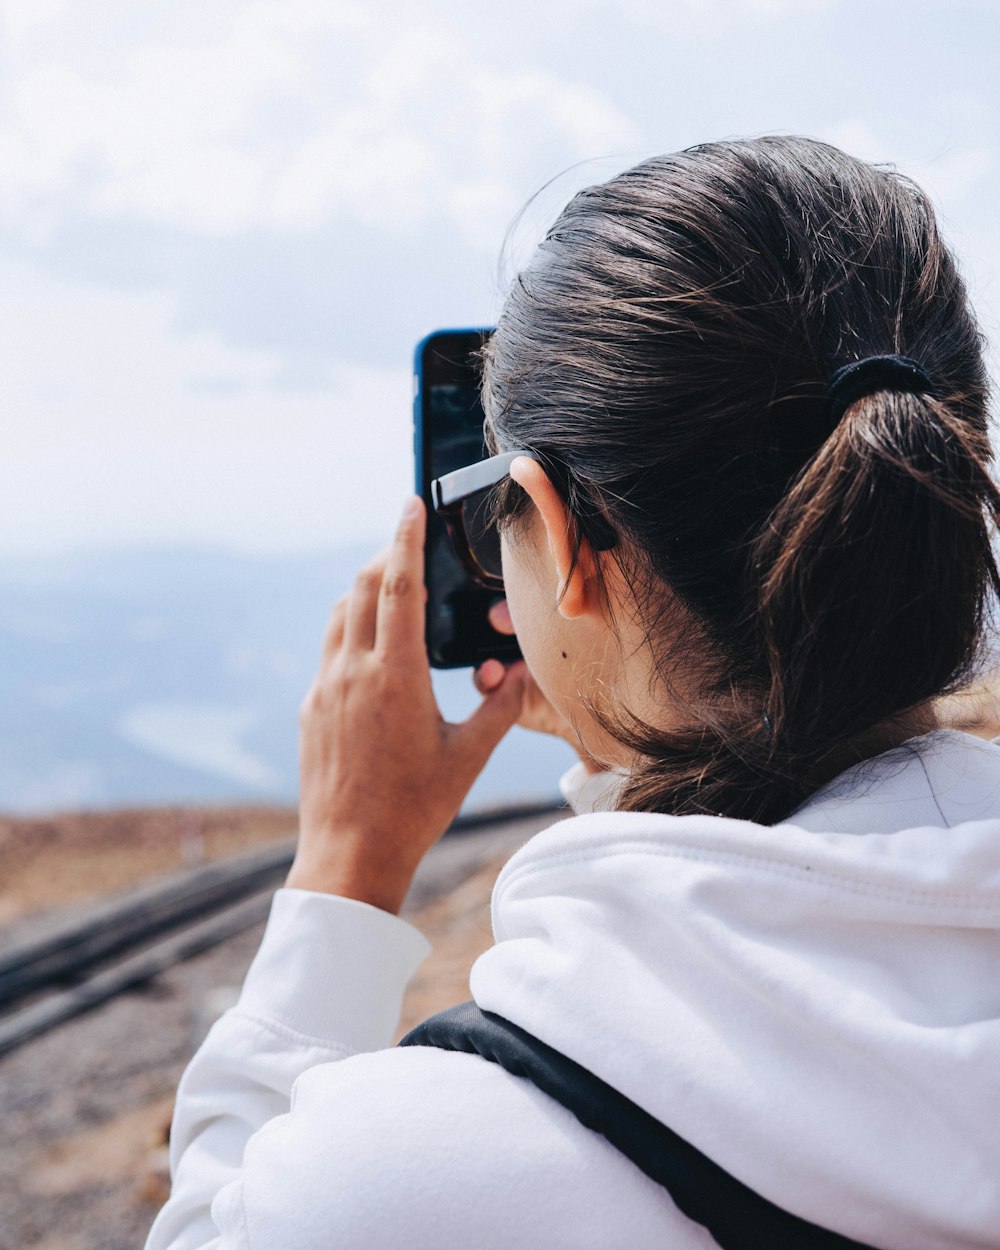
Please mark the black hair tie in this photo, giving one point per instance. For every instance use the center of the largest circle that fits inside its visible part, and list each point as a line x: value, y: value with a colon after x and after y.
x: 874, y: 373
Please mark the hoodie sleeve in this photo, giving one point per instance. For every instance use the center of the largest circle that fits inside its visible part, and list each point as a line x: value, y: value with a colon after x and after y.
x: 326, y: 983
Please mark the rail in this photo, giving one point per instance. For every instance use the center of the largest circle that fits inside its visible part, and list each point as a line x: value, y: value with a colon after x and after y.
x: 123, y: 943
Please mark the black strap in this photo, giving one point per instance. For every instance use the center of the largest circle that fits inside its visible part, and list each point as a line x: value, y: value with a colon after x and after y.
x: 737, y: 1218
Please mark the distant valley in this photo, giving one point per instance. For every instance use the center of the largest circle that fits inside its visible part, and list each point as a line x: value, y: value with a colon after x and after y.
x: 175, y: 676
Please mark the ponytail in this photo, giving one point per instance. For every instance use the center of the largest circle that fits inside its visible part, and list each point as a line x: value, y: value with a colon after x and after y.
x: 871, y: 602
x: 872, y: 568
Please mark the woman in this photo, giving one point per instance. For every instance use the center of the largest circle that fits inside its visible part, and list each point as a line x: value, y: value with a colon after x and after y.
x: 745, y: 544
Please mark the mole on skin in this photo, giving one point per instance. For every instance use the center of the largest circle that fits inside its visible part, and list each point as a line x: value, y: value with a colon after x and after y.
x: 564, y: 655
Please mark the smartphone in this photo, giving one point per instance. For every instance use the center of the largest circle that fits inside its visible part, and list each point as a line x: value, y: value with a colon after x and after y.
x: 447, y: 435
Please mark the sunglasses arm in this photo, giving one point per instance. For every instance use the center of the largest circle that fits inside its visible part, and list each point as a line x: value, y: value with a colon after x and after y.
x: 452, y: 488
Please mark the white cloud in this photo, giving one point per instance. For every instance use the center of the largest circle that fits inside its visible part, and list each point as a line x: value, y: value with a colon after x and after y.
x: 259, y: 115
x: 119, y: 432
x: 708, y: 17
x: 395, y: 119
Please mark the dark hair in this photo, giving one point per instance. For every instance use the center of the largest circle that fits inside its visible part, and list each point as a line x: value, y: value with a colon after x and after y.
x: 665, y: 354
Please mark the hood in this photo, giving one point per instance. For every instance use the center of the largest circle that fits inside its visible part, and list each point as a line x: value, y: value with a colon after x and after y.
x: 815, y: 1005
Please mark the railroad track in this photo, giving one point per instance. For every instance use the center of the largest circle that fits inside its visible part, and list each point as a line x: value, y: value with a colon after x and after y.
x: 126, y: 942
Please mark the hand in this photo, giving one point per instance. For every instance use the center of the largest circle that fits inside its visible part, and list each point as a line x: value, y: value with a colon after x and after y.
x: 537, y: 712
x: 382, y: 773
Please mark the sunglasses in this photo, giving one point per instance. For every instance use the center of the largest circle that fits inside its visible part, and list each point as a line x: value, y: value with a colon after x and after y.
x: 462, y: 500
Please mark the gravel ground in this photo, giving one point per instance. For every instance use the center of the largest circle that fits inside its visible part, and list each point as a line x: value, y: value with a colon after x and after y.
x: 85, y: 1107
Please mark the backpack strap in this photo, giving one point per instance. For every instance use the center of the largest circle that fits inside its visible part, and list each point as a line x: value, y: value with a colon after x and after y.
x: 737, y: 1217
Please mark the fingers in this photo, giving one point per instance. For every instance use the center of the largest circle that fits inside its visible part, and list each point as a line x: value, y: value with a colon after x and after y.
x: 385, y: 608
x: 499, y: 617
x: 400, y: 608
x: 359, y: 627
x: 490, y: 673
x: 488, y: 676
x: 334, y: 636
x: 496, y: 714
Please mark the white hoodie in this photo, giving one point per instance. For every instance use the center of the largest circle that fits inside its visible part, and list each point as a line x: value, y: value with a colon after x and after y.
x: 814, y: 1005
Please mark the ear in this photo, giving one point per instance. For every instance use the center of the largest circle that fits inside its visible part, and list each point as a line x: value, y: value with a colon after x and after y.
x: 559, y: 527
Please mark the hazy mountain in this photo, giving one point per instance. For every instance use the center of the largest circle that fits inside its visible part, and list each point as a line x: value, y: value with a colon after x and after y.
x: 170, y: 676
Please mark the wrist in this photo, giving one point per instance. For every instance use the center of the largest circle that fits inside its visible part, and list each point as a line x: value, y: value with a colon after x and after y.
x: 377, y: 885
x: 387, y: 897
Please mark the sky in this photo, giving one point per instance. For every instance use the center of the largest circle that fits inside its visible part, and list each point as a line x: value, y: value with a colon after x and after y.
x: 225, y: 223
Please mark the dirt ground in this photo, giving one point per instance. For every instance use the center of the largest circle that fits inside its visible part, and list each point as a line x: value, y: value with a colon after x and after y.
x: 68, y: 860
x: 85, y: 1108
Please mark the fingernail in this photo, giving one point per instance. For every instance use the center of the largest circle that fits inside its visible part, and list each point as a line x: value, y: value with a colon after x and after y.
x: 412, y: 506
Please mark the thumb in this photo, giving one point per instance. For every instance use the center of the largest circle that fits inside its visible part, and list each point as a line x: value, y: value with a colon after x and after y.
x: 495, y: 714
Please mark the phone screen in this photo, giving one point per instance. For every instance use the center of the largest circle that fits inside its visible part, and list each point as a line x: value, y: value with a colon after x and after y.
x: 448, y: 434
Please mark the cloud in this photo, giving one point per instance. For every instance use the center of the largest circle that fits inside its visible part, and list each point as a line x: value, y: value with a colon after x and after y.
x: 120, y: 432
x: 277, y: 116
x: 709, y: 17
x: 262, y: 206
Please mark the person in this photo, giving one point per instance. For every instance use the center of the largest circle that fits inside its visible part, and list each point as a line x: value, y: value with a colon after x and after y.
x: 745, y: 546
